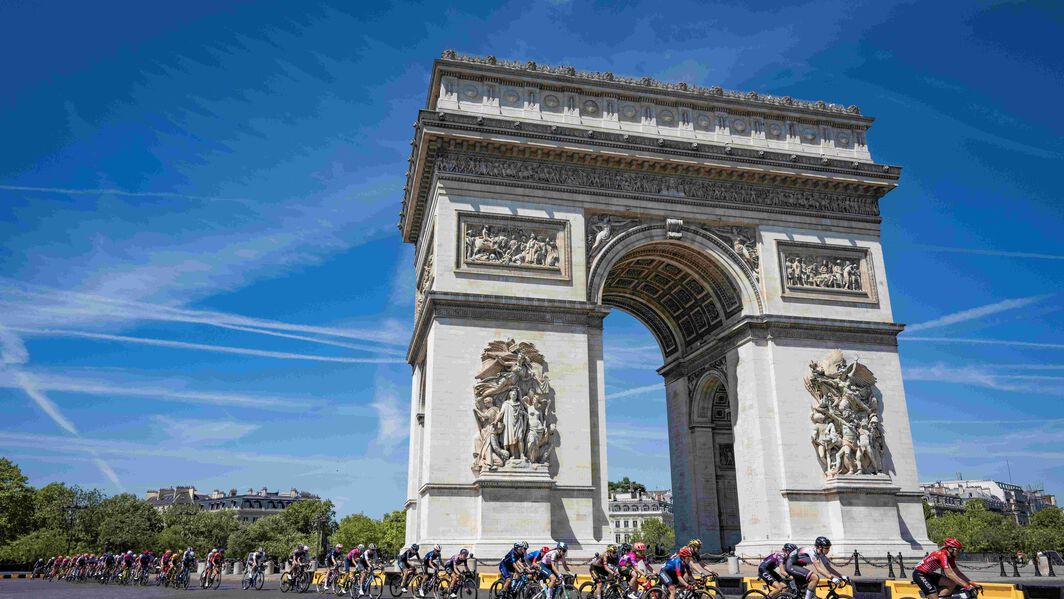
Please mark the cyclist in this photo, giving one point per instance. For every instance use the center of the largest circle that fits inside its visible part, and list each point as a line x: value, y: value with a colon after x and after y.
x: 451, y: 567
x: 817, y: 557
x: 365, y: 565
x: 695, y: 545
x: 351, y: 560
x: 931, y: 583
x: 127, y: 563
x: 299, y: 558
x: 333, y: 559
x: 403, y: 563
x: 533, y: 557
x: 164, y: 561
x: 513, y: 563
x: 677, y: 571
x: 431, y: 564
x: 767, y: 570
x: 144, y: 560
x: 215, y: 561
x: 632, y: 564
x: 548, y: 566
x: 602, y: 569
x: 175, y: 564
x: 255, y: 559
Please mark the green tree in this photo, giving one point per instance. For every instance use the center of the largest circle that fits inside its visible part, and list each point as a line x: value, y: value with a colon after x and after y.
x: 43, y: 543
x: 271, y: 533
x: 187, y: 525
x: 625, y: 486
x: 653, y: 532
x: 392, y: 532
x: 1045, y: 531
x: 929, y: 512
x: 355, y: 529
x: 16, y: 502
x: 50, y: 506
x: 128, y: 523
x: 980, y: 529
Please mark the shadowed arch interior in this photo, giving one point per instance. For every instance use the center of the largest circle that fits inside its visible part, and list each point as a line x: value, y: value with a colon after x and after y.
x: 676, y: 290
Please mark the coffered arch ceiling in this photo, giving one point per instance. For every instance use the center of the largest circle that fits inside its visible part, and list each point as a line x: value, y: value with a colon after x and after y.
x: 677, y: 291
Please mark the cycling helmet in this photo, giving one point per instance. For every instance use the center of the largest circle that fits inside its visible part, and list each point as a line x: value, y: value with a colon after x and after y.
x: 953, y: 544
x: 789, y: 548
x: 640, y: 547
x: 685, y: 552
x: 435, y: 547
x: 517, y: 545
x: 261, y: 550
x: 339, y: 546
x: 463, y: 552
x: 361, y: 547
x: 822, y: 542
x: 415, y: 547
x: 625, y: 547
x: 561, y: 545
x: 695, y: 543
x: 524, y: 544
x: 544, y: 549
x: 372, y: 546
x: 611, y: 548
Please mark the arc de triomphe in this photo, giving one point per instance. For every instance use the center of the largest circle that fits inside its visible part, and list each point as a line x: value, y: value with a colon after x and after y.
x: 742, y: 230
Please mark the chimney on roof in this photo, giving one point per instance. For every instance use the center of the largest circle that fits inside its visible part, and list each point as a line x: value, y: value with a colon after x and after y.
x: 232, y: 492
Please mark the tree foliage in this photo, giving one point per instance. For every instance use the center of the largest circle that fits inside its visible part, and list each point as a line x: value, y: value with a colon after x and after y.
x: 389, y: 533
x: 654, y: 532
x: 626, y: 486
x: 302, y: 522
x: 16, y: 502
x: 128, y: 523
x: 29, y: 547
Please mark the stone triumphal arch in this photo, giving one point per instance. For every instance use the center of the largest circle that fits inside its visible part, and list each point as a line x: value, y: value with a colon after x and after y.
x: 742, y: 230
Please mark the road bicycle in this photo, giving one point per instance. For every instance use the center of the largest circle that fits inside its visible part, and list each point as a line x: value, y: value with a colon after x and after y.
x: 565, y: 590
x: 212, y: 577
x: 297, y: 579
x: 971, y: 593
x: 331, y: 582
x: 182, y: 578
x: 254, y: 578
x: 395, y: 587
x: 521, y: 588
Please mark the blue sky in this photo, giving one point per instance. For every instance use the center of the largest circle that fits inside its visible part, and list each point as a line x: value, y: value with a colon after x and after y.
x: 201, y: 281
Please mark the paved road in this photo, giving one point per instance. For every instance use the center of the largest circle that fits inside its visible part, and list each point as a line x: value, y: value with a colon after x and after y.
x: 42, y: 589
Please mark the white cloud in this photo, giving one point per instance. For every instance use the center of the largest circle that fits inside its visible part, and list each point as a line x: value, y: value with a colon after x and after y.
x: 196, y: 432
x: 970, y: 341
x: 392, y: 423
x: 979, y: 376
x: 44, y: 403
x: 12, y: 350
x: 985, y: 252
x: 634, y: 391
x: 977, y: 313
x: 208, y: 348
x: 117, y: 192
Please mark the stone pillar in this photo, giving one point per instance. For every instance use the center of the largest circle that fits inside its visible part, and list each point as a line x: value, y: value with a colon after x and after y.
x: 238, y: 567
x: 271, y: 568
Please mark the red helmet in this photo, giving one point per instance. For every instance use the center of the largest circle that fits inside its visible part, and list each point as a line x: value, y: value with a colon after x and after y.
x: 545, y: 549
x: 953, y: 544
x: 685, y: 552
x: 640, y: 547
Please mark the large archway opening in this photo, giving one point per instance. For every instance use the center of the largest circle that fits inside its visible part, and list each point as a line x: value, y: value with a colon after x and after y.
x: 683, y: 297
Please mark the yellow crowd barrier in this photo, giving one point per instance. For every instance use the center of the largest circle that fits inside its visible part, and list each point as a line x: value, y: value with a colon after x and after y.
x: 320, y: 574
x: 753, y: 582
x: 902, y: 589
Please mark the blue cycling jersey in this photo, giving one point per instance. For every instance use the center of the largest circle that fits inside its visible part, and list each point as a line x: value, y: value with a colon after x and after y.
x: 511, y: 558
x: 676, y: 567
x: 532, y: 556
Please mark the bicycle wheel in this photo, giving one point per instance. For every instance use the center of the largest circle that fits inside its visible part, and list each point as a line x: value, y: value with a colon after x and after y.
x: 656, y: 593
x: 441, y: 589
x: 586, y: 590
x: 495, y: 592
x: 260, y: 578
x: 755, y: 594
x: 217, y: 581
x: 304, y: 582
x: 469, y: 589
x: 709, y: 593
x: 375, y: 584
x: 245, y: 583
x: 286, y: 582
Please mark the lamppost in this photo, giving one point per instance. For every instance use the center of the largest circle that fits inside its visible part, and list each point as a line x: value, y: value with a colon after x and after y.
x: 321, y: 520
x: 72, y: 509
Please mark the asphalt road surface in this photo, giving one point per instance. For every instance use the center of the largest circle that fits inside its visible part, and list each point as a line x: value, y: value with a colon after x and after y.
x: 42, y: 589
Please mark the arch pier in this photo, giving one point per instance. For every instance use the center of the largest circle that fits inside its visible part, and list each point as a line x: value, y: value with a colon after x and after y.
x: 743, y: 231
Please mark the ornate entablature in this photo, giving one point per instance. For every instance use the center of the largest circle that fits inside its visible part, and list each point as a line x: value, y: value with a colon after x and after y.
x: 513, y: 246
x: 535, y: 92
x: 817, y: 271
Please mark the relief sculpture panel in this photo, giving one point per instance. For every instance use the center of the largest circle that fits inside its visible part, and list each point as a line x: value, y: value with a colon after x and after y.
x: 513, y: 246
x: 826, y: 272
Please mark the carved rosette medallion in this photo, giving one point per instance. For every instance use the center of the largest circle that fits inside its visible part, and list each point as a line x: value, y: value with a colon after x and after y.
x: 513, y: 246
x: 514, y: 409
x: 816, y: 271
x: 846, y: 415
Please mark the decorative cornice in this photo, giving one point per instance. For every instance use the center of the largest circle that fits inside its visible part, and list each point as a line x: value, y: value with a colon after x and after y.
x: 442, y: 304
x: 868, y: 181
x: 642, y: 85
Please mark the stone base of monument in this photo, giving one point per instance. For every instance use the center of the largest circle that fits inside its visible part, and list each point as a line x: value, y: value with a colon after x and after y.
x: 514, y: 504
x: 857, y: 512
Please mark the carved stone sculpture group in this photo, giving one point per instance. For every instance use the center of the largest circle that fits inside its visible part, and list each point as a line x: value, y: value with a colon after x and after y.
x: 847, y: 431
x: 496, y: 244
x: 514, y: 408
x: 824, y: 272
